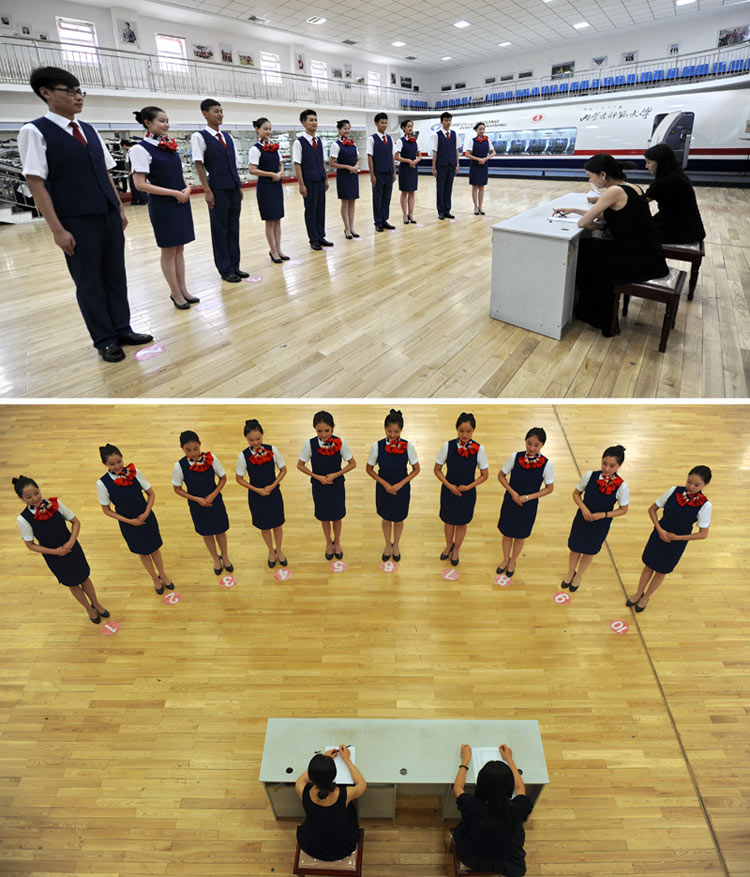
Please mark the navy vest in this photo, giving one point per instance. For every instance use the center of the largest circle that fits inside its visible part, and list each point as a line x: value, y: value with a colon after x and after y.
x: 409, y: 149
x: 52, y: 532
x: 382, y: 154
x: 679, y: 518
x: 446, y: 149
x: 260, y: 474
x: 78, y: 181
x: 313, y: 166
x: 220, y: 162
x: 324, y: 464
x: 128, y: 499
x: 165, y: 169
x: 198, y: 483
x: 269, y: 161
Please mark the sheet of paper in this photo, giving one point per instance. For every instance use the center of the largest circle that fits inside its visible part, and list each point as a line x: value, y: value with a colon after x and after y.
x: 479, y: 757
x: 343, y: 774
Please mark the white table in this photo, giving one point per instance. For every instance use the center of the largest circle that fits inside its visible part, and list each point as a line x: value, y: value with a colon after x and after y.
x: 396, y: 756
x: 534, y: 267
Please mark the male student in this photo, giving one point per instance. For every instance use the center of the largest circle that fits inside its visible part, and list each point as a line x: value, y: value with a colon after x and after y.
x: 444, y: 147
x: 309, y: 157
x: 382, y: 172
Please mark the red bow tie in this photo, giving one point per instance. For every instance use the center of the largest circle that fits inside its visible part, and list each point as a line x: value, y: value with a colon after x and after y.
x: 396, y: 447
x: 346, y: 141
x: 684, y: 498
x: 267, y: 146
x: 203, y: 463
x: 410, y: 139
x: 167, y: 143
x: 261, y: 455
x: 470, y: 448
x: 481, y: 139
x: 331, y: 447
x: 127, y: 476
x: 46, y: 509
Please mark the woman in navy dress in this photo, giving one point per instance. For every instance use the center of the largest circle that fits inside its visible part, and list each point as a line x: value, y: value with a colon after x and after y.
x: 682, y: 507
x: 345, y: 159
x: 531, y: 477
x: 157, y: 170
x: 198, y: 471
x: 392, y: 455
x: 267, y: 166
x: 325, y: 453
x: 408, y: 157
x: 124, y: 486
x: 458, y: 495
x: 256, y: 472
x: 595, y: 495
x: 46, y: 521
x: 480, y: 152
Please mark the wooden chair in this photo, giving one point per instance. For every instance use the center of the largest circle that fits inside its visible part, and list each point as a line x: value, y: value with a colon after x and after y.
x: 460, y: 870
x: 351, y: 866
x: 692, y: 253
x: 662, y: 289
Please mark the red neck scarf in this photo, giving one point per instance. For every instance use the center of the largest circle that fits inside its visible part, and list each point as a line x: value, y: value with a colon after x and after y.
x: 471, y: 448
x: 46, y: 509
x: 346, y: 141
x: 684, y: 498
x: 203, y: 463
x: 396, y: 447
x: 126, y: 477
x: 328, y: 449
x: 608, y: 484
x: 261, y: 455
x: 480, y: 139
x: 168, y: 144
x: 410, y: 138
x: 535, y: 461
x: 267, y: 146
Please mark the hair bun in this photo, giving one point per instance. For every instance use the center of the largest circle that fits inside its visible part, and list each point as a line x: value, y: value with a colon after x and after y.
x: 394, y: 411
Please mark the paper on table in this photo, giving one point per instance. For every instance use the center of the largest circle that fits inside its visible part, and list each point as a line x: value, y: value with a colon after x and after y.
x: 479, y: 757
x: 343, y: 774
x: 557, y: 218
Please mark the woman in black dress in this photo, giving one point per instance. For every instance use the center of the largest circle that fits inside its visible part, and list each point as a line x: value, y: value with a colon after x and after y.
x: 256, y: 472
x: 124, y: 486
x: 46, y: 521
x: 678, y: 220
x: 408, y: 158
x: 480, y: 151
x: 633, y: 252
x: 344, y: 157
x: 490, y: 835
x: 393, y: 492
x: 462, y: 457
x: 682, y: 507
x: 330, y: 831
x: 267, y: 165
x: 199, y: 470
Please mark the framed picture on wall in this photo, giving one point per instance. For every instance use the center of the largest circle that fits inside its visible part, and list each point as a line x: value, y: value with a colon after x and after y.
x: 629, y: 57
x: 599, y: 61
x: 563, y: 69
x: 42, y: 35
x: 204, y: 53
x: 406, y: 82
x: 300, y: 62
x: 458, y: 85
x: 347, y: 71
x: 731, y: 36
x: 24, y: 30
x: 246, y: 60
x: 393, y: 78
x: 673, y: 49
x: 506, y: 77
x: 337, y: 73
x: 225, y: 53
x: 6, y: 21
x: 525, y: 74
x: 127, y: 33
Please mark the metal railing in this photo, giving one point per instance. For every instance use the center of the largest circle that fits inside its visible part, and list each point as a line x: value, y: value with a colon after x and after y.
x: 124, y: 70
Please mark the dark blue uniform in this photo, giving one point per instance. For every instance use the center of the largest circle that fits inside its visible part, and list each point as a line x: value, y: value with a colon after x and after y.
x: 70, y: 569
x: 479, y: 173
x: 527, y: 476
x: 445, y: 165
x: 382, y: 166
x: 587, y: 537
x: 270, y: 194
x: 267, y: 511
x: 460, y: 469
x: 329, y: 499
x: 208, y: 521
x: 224, y: 181
x: 680, y: 513
x: 408, y: 176
x: 129, y: 501
x: 347, y: 183
x: 314, y: 178
x: 172, y: 221
x: 392, y: 461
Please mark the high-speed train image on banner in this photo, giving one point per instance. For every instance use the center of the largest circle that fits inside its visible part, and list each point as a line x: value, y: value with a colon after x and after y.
x: 708, y: 128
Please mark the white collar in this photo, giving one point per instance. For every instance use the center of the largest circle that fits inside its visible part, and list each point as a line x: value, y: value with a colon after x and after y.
x: 310, y: 136
x: 59, y: 120
x: 215, y: 133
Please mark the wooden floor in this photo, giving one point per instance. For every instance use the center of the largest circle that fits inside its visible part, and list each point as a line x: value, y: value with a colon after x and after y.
x: 139, y: 753
x: 403, y: 313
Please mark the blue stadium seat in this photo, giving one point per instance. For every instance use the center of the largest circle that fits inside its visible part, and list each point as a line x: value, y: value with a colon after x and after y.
x: 564, y: 87
x: 545, y: 90
x: 464, y: 100
x: 508, y: 95
x: 747, y: 64
x: 687, y: 71
x: 573, y: 87
x: 535, y: 91
x: 619, y: 81
x: 583, y: 85
x: 526, y: 92
x: 647, y: 76
x: 595, y: 83
x: 632, y: 79
x: 720, y: 67
x: 608, y: 82
x: 672, y: 73
x: 658, y: 75
x: 701, y: 70
x: 553, y: 89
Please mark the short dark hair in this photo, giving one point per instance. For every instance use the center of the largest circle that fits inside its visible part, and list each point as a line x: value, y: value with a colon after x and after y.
x: 538, y: 432
x: 107, y: 451
x: 49, y: 77
x: 21, y: 482
x: 466, y: 417
x: 305, y: 113
x: 703, y: 472
x: 445, y: 116
x: 379, y: 116
x: 208, y: 103
x: 323, y: 417
x: 616, y: 451
x: 188, y: 435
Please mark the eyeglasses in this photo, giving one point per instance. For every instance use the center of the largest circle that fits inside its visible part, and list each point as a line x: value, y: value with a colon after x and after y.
x: 73, y: 92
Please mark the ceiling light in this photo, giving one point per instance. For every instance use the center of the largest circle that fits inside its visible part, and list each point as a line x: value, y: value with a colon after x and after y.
x: 447, y: 58
x: 257, y: 19
x: 461, y: 23
x: 315, y: 19
x: 581, y: 25
x: 400, y: 43
x: 683, y: 2
x: 504, y: 44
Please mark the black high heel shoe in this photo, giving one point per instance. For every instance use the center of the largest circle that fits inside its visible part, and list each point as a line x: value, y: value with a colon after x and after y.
x: 630, y: 602
x: 182, y: 307
x: 564, y: 584
x: 96, y: 620
x: 160, y: 590
x: 447, y: 554
x: 348, y: 235
x: 354, y: 234
x: 275, y: 261
x: 329, y: 556
x: 272, y: 563
x: 193, y: 300
x: 103, y: 613
x: 285, y: 258
x: 396, y: 557
x: 217, y: 572
x: 501, y: 570
x: 385, y: 556
x: 284, y: 562
x: 338, y: 554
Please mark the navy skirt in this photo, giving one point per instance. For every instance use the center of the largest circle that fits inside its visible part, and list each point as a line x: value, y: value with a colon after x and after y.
x: 478, y: 174
x: 142, y: 540
x: 270, y: 199
x: 457, y: 510
x: 347, y: 185
x: 70, y: 569
x: 211, y: 521
x: 660, y: 556
x: 267, y: 511
x: 407, y: 178
x: 172, y: 221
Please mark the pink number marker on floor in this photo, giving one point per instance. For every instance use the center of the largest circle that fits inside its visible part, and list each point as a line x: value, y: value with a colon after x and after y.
x: 149, y: 352
x: 502, y: 580
x: 561, y: 597
x: 450, y: 574
x: 619, y: 626
x: 110, y: 628
x: 282, y: 575
x: 339, y: 566
x: 228, y: 581
x: 255, y: 279
x: 172, y: 599
x: 389, y: 566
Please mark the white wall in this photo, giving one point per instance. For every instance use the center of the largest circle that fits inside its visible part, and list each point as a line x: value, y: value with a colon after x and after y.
x: 695, y: 33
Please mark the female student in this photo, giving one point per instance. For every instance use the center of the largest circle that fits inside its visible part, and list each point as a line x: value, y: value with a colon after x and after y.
x: 330, y: 830
x: 256, y: 472
x: 490, y: 835
x: 325, y: 453
x: 266, y: 164
x: 595, y: 495
x: 480, y: 152
x: 157, y: 170
x: 408, y: 157
x: 681, y: 508
x: 124, y: 486
x: 46, y: 521
x: 198, y: 471
x: 634, y: 252
x: 678, y: 220
x: 458, y: 494
x: 531, y: 477
x: 392, y: 455
x: 343, y: 156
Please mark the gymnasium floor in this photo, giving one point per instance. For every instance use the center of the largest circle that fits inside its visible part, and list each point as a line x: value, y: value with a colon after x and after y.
x: 403, y: 313
x: 139, y: 753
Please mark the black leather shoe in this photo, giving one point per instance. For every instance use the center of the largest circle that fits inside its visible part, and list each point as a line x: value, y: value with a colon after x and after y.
x: 378, y: 228
x: 388, y: 226
x: 134, y: 338
x: 275, y: 261
x: 354, y: 234
x: 160, y: 590
x: 564, y: 584
x: 315, y: 245
x: 441, y: 216
x: 111, y: 353
x: 170, y: 586
x: 231, y: 278
x: 285, y: 258
x: 641, y: 608
x: 455, y: 562
x: 192, y: 300
x: 103, y: 614
x: 284, y: 562
x: 329, y: 556
x: 229, y: 567
x: 185, y: 306
x: 630, y: 602
x: 449, y: 216
x: 242, y: 274
x: 96, y: 620
x: 218, y: 570
x: 338, y: 554
x: 500, y: 570
x: 324, y: 243
x: 447, y: 554
x: 396, y: 558
x: 385, y: 556
x: 271, y: 563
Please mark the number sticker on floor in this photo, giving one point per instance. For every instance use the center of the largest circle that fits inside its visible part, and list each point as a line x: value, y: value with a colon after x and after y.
x: 561, y: 597
x: 227, y: 581
x: 149, y: 352
x: 502, y: 580
x: 255, y: 279
x: 389, y: 566
x: 172, y: 599
x: 282, y: 575
x: 450, y: 574
x: 110, y: 628
x: 338, y: 566
x: 619, y: 626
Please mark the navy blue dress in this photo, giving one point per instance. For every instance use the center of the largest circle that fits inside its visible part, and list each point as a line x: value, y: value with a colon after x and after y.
x: 267, y: 511
x: 479, y: 173
x: 200, y: 481
x: 587, y: 537
x: 129, y: 501
x: 71, y: 569
x: 172, y: 221
x: 459, y: 510
x: 329, y: 499
x: 527, y: 476
x: 270, y: 193
x: 680, y: 513
x: 408, y: 175
x: 347, y: 183
x: 392, y: 467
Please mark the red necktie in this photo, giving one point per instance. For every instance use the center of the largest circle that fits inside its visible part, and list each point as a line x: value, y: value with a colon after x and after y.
x: 221, y: 139
x: 315, y: 143
x: 385, y: 140
x: 77, y: 133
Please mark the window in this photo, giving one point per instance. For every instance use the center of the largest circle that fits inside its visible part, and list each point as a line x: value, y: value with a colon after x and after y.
x: 271, y: 67
x: 373, y: 82
x: 76, y: 37
x: 319, y: 70
x: 171, y: 51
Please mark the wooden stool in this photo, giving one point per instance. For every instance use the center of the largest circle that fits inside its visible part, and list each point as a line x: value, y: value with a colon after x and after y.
x: 662, y: 289
x: 460, y: 870
x: 351, y: 866
x: 692, y: 253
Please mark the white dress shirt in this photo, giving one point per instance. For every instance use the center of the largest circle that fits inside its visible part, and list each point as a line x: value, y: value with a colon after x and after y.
x: 198, y: 143
x: 623, y: 491
x: 33, y: 147
x: 297, y: 148
x: 178, y: 476
x: 704, y: 512
x: 140, y: 157
x: 241, y: 469
x: 411, y: 453
x: 305, y: 454
x: 102, y: 491
x: 25, y: 528
x: 481, y: 456
x: 548, y: 476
